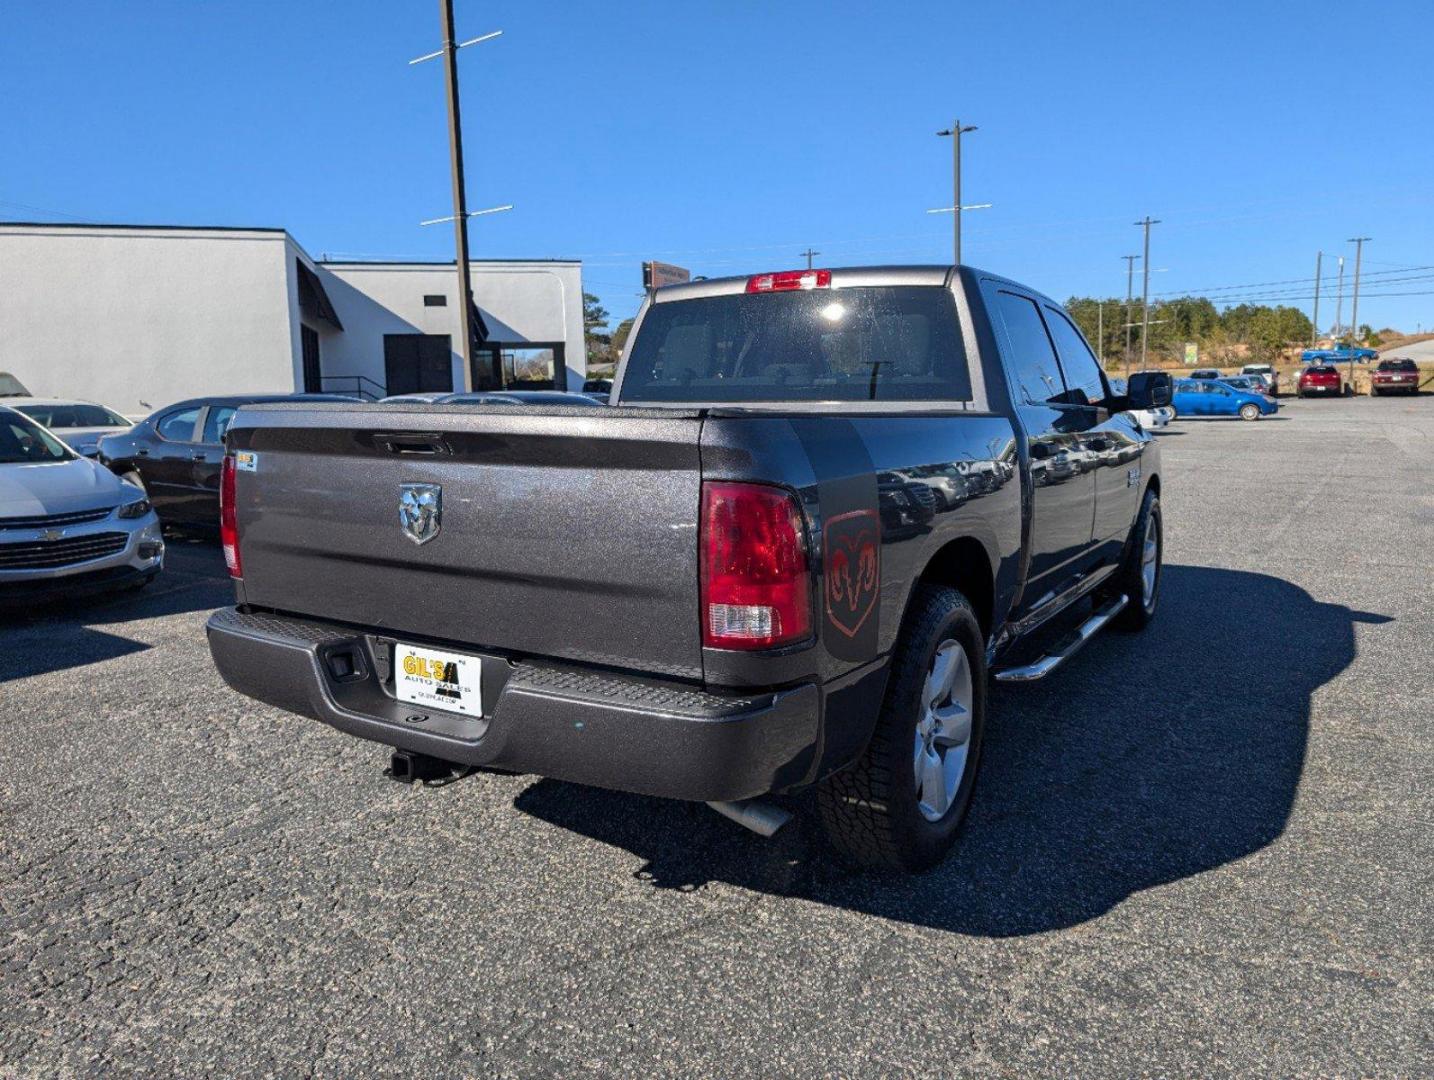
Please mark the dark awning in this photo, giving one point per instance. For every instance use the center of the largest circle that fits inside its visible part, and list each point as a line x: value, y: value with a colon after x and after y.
x: 313, y: 301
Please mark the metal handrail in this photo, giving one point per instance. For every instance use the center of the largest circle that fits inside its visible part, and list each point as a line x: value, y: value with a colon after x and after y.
x: 361, y: 384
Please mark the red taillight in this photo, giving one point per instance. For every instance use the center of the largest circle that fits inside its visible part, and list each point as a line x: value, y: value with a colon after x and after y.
x: 790, y: 280
x: 228, y: 519
x: 755, y: 589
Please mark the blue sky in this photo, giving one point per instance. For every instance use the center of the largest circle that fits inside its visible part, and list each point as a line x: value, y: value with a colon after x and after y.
x: 728, y: 136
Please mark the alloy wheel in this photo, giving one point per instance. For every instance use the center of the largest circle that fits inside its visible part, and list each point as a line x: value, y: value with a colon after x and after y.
x: 943, y: 732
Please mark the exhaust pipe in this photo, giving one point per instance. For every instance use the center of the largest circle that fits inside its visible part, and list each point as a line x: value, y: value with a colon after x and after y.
x: 407, y: 768
x: 763, y: 818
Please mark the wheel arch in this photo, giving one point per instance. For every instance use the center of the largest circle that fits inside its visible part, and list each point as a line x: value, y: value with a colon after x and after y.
x: 964, y: 564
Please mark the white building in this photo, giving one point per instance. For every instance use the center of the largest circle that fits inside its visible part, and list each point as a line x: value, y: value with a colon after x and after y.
x: 136, y: 317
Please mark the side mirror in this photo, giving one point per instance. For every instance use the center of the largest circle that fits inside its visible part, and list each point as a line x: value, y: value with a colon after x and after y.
x: 1149, y: 390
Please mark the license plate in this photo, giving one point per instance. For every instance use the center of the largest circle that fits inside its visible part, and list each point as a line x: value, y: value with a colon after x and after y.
x: 438, y: 680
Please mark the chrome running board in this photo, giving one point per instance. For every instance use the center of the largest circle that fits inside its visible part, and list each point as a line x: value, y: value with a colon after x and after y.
x: 1068, y: 646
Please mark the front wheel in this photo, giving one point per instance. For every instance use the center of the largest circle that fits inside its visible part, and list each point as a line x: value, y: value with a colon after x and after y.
x: 1139, y: 573
x: 1249, y: 411
x: 135, y: 479
x: 901, y: 804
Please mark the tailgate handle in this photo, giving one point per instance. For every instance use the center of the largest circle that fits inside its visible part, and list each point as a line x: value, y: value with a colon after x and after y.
x: 411, y: 442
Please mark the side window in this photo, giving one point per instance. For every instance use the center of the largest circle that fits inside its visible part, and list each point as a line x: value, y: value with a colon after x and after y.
x: 217, y: 423
x: 1033, y: 360
x: 1079, y: 365
x: 178, y: 426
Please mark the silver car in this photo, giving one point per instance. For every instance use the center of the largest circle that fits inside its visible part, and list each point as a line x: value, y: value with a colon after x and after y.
x: 67, y: 523
x: 80, y: 423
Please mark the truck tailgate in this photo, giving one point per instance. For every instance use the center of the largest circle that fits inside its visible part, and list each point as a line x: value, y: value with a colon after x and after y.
x: 563, y: 532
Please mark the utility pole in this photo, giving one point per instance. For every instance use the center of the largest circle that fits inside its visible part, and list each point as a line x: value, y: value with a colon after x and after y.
x: 1100, y: 331
x: 1358, y: 242
x: 1145, y: 289
x: 1129, y: 296
x: 1314, y: 333
x: 955, y: 132
x: 449, y: 52
x: 809, y: 253
x: 460, y: 196
x: 1339, y: 304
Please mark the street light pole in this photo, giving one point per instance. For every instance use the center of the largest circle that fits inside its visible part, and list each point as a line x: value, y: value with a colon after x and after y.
x: 955, y: 132
x: 1145, y: 289
x: 1314, y: 333
x: 1129, y: 296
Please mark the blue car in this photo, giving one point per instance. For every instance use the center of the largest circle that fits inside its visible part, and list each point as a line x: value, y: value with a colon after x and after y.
x: 1206, y: 397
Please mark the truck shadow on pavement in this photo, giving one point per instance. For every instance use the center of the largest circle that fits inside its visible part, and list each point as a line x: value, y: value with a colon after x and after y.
x: 1150, y: 758
x: 59, y: 634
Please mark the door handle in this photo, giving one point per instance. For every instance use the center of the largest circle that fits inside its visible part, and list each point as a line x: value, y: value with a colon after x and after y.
x: 201, y: 457
x: 143, y: 453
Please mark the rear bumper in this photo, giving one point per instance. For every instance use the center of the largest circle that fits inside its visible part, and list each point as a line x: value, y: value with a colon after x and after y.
x: 589, y: 727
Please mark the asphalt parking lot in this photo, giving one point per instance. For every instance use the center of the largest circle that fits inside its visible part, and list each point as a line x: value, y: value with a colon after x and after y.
x: 1205, y: 850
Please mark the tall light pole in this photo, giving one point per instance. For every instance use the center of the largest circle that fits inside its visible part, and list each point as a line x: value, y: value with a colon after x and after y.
x: 1358, y: 242
x: 955, y: 131
x: 1147, y: 221
x: 449, y: 52
x: 1129, y: 296
x: 1314, y: 333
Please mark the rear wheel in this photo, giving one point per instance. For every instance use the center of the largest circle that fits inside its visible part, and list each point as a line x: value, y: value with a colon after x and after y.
x: 901, y: 804
x: 1249, y: 411
x: 1139, y: 574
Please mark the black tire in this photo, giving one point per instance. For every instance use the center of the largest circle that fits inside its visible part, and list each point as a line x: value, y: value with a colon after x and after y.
x: 133, y: 477
x: 1249, y: 411
x: 1129, y: 579
x: 870, y: 811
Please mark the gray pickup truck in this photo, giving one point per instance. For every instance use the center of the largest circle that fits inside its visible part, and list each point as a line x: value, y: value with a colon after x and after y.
x: 823, y: 509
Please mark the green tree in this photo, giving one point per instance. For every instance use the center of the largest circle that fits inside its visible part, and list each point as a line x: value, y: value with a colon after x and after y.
x: 619, y: 337
x: 595, y: 317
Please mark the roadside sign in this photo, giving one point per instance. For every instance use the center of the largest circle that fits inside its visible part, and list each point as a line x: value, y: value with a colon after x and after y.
x: 1192, y: 353
x: 657, y: 274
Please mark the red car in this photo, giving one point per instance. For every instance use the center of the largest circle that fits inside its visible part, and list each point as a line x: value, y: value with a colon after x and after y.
x: 1399, y: 376
x: 1321, y: 379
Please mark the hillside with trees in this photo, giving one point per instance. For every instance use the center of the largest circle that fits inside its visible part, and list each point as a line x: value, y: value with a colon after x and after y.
x: 1242, y: 334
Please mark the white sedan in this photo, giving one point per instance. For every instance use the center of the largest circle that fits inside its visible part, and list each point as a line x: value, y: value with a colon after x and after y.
x: 80, y: 423
x: 1151, y: 419
x: 67, y: 523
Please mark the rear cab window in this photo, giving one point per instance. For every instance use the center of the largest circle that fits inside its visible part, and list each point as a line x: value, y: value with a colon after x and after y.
x: 859, y: 344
